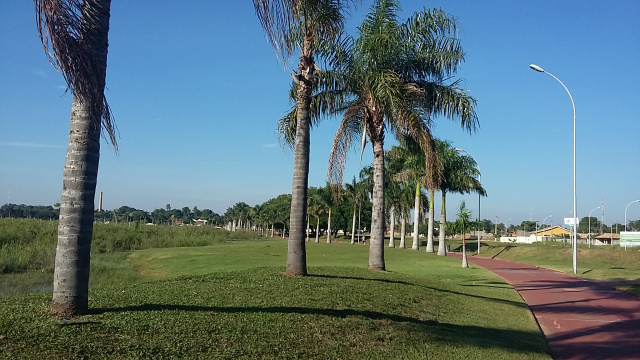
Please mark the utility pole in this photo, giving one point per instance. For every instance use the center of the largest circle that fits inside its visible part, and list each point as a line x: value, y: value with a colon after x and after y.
x: 496, y: 229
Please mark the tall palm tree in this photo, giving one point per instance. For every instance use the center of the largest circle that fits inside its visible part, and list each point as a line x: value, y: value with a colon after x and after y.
x: 394, y: 74
x: 459, y: 175
x: 74, y: 35
x: 306, y: 23
x: 412, y: 170
x: 405, y: 204
x: 392, y: 77
x: 430, y: 249
x: 354, y: 192
x: 464, y: 215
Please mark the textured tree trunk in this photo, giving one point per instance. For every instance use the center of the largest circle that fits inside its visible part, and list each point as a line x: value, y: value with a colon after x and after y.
x: 80, y: 175
x: 465, y: 264
x: 416, y: 220
x: 297, y: 254
x: 307, y: 234
x: 442, y: 246
x: 329, y: 228
x: 431, y: 216
x: 403, y: 232
x: 376, y: 246
x: 353, y: 226
x: 392, y: 227
x: 318, y: 230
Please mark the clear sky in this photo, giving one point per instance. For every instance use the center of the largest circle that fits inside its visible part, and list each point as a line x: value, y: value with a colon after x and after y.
x: 196, y: 91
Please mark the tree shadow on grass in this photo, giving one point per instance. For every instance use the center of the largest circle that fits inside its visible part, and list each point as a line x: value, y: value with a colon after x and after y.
x: 501, y: 301
x: 387, y: 281
x: 517, y: 341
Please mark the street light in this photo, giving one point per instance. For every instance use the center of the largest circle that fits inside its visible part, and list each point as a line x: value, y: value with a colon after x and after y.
x: 575, y: 202
x: 543, y: 221
x: 625, y: 214
x: 479, y: 181
x: 590, y: 224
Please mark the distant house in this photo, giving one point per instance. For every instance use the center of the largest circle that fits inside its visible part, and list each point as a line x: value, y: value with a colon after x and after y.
x: 536, y: 236
x: 200, y: 222
x: 552, y: 231
x: 606, y: 239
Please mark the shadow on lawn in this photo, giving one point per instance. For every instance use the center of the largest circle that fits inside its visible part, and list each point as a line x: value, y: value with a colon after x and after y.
x: 491, y: 284
x: 460, y: 335
x: 360, y: 278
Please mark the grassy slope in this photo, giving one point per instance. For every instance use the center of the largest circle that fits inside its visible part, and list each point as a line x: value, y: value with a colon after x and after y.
x: 214, y: 302
x: 618, y: 266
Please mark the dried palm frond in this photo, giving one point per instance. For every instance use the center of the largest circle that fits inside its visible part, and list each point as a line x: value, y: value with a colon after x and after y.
x: 71, y: 32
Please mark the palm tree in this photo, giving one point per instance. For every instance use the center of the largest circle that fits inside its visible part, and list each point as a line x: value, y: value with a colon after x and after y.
x: 429, y: 249
x: 74, y: 35
x: 356, y: 194
x: 307, y: 23
x: 464, y: 215
x: 459, y: 175
x: 412, y: 160
x: 392, y: 77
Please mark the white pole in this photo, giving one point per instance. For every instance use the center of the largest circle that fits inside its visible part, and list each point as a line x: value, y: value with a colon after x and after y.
x: 590, y: 224
x: 575, y: 200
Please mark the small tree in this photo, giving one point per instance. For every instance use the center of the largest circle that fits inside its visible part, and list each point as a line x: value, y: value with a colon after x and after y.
x: 462, y: 223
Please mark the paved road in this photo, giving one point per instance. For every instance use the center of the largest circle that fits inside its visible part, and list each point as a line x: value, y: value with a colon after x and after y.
x: 581, y: 319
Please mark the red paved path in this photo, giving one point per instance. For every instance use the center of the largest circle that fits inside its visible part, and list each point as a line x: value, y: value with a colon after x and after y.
x: 581, y: 319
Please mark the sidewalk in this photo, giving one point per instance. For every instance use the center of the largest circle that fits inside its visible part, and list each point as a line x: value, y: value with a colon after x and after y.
x: 581, y: 319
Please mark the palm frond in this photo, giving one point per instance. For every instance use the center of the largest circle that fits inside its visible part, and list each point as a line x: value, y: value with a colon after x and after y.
x: 68, y: 30
x: 350, y: 129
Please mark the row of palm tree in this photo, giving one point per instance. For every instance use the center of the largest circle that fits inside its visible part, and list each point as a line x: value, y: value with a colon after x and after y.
x: 392, y: 76
x: 459, y: 175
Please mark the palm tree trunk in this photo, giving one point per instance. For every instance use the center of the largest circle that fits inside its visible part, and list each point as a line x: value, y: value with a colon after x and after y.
x: 329, y: 228
x: 75, y: 228
x: 353, y: 226
x: 465, y: 264
x: 416, y: 220
x: 392, y: 227
x: 376, y: 246
x: 80, y: 175
x: 318, y: 230
x: 307, y: 234
x: 403, y: 232
x: 442, y: 246
x: 296, y: 254
x: 431, y: 216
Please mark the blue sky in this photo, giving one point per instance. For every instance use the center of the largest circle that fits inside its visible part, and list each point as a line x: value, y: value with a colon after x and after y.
x: 196, y: 91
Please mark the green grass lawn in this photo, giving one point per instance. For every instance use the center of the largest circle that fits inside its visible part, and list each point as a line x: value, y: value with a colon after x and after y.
x: 232, y: 300
x: 617, y: 266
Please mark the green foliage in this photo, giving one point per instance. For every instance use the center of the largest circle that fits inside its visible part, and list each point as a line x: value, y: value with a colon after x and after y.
x: 29, y: 244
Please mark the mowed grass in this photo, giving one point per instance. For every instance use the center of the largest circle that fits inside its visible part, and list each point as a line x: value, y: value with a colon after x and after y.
x: 619, y: 267
x: 232, y: 301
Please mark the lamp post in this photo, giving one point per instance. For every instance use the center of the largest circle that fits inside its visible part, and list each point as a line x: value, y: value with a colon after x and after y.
x: 625, y: 214
x: 479, y: 181
x: 575, y: 202
x: 590, y: 224
x: 543, y: 221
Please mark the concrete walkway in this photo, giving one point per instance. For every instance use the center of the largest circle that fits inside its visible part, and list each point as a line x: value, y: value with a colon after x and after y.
x: 581, y: 319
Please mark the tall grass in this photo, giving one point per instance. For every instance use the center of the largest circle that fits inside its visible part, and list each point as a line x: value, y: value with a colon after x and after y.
x: 30, y: 244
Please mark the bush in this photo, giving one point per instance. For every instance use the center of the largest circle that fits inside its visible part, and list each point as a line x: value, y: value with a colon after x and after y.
x: 30, y: 244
